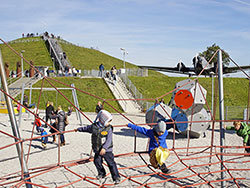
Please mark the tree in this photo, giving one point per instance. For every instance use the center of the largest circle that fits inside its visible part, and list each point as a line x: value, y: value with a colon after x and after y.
x: 210, y: 52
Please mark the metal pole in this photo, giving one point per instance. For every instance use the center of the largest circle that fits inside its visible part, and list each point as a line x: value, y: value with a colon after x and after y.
x: 30, y: 97
x: 76, y: 104
x: 124, y: 59
x: 212, y: 101
x: 221, y: 102
x: 13, y: 122
x: 22, y: 63
x: 124, y: 53
x: 21, y: 108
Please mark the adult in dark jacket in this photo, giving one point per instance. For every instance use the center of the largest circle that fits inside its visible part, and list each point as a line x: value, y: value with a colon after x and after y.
x: 49, y: 110
x: 60, y: 117
x: 55, y: 125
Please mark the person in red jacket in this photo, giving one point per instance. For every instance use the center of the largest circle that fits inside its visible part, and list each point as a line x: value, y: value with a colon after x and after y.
x: 38, y: 123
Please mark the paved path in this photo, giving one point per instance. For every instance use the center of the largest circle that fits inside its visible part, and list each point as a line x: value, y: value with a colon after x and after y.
x: 16, y: 87
x: 120, y: 92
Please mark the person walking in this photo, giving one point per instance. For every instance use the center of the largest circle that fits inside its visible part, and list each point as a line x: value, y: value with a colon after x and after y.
x: 48, y: 111
x: 101, y: 70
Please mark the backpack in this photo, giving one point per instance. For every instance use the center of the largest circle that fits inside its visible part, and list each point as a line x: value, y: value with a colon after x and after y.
x: 66, y: 121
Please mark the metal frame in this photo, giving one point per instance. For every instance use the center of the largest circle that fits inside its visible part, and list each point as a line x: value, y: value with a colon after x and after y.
x: 74, y: 94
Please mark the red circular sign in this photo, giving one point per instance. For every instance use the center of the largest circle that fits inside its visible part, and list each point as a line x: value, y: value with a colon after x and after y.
x: 183, y: 99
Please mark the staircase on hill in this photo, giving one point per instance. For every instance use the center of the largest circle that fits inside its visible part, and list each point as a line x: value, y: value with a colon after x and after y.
x: 16, y: 87
x: 120, y: 92
x: 59, y: 57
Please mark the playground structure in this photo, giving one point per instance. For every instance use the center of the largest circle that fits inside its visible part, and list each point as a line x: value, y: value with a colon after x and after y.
x: 185, y: 174
x: 186, y: 105
x: 74, y: 96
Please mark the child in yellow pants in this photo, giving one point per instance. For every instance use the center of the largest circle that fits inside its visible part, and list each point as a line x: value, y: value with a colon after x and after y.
x: 158, y: 149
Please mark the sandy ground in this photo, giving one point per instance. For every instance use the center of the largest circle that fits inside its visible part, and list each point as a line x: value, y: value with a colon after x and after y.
x: 78, y: 147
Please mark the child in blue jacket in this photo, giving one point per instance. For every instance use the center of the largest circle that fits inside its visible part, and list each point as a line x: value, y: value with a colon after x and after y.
x: 157, y: 137
x: 44, y: 139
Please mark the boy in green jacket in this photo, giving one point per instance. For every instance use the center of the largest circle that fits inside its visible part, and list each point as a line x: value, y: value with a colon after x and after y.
x: 242, y: 130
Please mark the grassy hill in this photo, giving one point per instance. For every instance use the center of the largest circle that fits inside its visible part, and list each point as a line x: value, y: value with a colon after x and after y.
x: 34, y: 48
x: 85, y: 58
x: 87, y: 103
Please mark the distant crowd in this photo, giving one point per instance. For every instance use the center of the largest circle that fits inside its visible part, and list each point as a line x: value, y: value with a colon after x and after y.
x: 37, y: 34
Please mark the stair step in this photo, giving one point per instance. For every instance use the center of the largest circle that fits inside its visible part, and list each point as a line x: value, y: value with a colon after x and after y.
x: 120, y: 91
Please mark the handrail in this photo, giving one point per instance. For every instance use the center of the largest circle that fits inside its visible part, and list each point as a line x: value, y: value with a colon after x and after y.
x: 58, y: 59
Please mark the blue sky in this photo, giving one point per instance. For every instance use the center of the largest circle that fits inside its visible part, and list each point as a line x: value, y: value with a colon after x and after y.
x: 154, y: 32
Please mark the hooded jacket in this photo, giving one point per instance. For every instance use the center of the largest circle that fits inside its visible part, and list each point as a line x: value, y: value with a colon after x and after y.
x: 60, y: 116
x: 151, y: 133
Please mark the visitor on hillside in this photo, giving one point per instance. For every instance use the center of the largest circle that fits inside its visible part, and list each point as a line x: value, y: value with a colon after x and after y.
x: 243, y: 130
x: 48, y: 71
x: 64, y: 55
x: 102, y: 144
x: 12, y: 74
x: 101, y: 70
x: 74, y: 71
x: 26, y: 73
x: 70, y: 72
x: 108, y: 75
x: 98, y: 107
x: 113, y: 73
x: 60, y: 72
x: 157, y: 150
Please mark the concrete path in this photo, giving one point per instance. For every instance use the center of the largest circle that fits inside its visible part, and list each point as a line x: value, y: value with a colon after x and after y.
x: 120, y: 92
x: 16, y: 87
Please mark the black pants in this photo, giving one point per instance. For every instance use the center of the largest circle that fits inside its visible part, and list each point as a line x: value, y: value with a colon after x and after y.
x: 47, y: 118
x: 62, y: 138
x: 109, y: 158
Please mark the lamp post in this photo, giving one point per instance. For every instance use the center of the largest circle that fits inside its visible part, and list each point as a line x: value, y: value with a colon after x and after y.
x: 22, y: 60
x: 124, y: 53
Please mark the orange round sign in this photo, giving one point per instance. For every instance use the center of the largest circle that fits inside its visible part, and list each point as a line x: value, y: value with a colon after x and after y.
x: 183, y: 99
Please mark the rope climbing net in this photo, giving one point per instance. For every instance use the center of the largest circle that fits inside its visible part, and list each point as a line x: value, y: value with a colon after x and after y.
x: 192, y: 162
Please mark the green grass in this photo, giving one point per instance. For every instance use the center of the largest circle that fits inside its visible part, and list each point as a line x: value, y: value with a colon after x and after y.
x: 87, y: 103
x: 35, y: 51
x: 85, y: 58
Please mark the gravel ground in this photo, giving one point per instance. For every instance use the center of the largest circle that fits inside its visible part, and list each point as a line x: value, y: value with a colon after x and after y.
x: 184, y: 164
